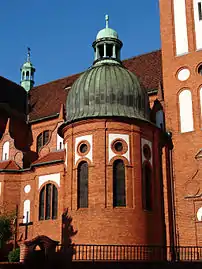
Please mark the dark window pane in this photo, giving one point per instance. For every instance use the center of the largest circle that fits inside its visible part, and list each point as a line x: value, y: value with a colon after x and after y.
x: 39, y: 142
x: 83, y: 148
x: 119, y: 194
x: 41, y: 204
x: 200, y: 11
x: 109, y: 49
x: 147, y: 187
x: 48, y: 201
x: 101, y: 50
x: 118, y: 146
x: 46, y: 137
x: 54, y: 202
x: 83, y: 185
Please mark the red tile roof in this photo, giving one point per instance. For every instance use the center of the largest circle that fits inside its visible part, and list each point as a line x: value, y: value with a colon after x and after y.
x: 9, y: 165
x: 46, y: 99
x: 148, y: 68
x: 50, y: 157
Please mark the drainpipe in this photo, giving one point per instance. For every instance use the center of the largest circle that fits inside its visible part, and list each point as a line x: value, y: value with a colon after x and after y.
x: 170, y: 198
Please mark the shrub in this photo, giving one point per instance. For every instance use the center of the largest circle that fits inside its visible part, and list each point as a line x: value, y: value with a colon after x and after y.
x: 14, y: 255
x: 5, y: 229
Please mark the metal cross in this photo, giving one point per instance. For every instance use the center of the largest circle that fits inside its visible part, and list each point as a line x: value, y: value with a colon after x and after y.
x: 26, y: 224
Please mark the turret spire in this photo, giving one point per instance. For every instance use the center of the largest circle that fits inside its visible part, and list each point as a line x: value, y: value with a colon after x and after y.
x: 107, y: 45
x: 107, y: 21
x: 28, y: 55
x: 27, y: 73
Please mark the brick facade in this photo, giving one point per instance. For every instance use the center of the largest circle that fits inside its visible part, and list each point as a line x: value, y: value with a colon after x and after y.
x: 186, y: 145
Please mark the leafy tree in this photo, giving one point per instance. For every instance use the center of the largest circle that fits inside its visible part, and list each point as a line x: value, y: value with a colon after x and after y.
x: 6, y: 230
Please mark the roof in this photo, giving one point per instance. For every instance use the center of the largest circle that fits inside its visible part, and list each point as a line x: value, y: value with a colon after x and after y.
x: 51, y: 157
x: 9, y: 165
x: 13, y: 97
x: 46, y: 99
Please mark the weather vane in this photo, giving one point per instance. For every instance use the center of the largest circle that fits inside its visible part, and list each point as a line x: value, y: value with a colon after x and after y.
x: 28, y: 54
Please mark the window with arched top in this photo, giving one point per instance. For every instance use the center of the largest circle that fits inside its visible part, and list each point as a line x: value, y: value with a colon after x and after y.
x: 60, y: 143
x: 119, y: 192
x: 147, y: 186
x: 42, y: 139
x: 5, y: 153
x: 82, y: 185
x: 201, y: 100
x: 186, y: 111
x: 26, y: 211
x: 160, y: 119
x: 27, y: 75
x: 199, y: 214
x: 48, y: 202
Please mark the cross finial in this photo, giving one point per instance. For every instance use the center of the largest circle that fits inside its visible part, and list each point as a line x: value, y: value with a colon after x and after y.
x: 28, y: 54
x: 107, y: 21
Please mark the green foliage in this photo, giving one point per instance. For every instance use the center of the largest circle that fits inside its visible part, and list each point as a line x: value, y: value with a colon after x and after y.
x: 5, y: 229
x: 14, y: 255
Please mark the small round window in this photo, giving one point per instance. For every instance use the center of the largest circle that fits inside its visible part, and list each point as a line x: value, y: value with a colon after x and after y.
x: 118, y: 146
x: 83, y: 148
x: 147, y: 152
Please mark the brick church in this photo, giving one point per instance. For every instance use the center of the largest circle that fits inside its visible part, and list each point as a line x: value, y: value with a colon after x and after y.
x: 119, y: 145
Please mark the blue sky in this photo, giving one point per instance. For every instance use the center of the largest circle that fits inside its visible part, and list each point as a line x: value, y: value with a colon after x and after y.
x: 60, y: 33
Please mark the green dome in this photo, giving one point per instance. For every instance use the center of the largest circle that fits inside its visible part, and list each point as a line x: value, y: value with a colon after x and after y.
x: 107, y: 90
x: 107, y: 32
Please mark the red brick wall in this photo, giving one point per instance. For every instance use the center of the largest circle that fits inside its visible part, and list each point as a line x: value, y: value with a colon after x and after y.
x: 101, y: 223
x: 186, y: 145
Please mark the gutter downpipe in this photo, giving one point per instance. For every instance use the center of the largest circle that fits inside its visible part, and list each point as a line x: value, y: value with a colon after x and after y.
x: 171, y: 200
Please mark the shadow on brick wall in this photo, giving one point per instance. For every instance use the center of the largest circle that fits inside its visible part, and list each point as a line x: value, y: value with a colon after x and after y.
x: 44, y: 252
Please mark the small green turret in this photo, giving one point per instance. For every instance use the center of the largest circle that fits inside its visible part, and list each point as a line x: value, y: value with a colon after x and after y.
x: 27, y: 73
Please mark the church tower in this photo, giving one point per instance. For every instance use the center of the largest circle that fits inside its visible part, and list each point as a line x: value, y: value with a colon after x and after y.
x: 181, y: 28
x: 27, y: 74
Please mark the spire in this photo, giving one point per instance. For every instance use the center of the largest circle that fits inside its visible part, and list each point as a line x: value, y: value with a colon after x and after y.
x: 28, y: 55
x: 27, y: 73
x: 107, y: 21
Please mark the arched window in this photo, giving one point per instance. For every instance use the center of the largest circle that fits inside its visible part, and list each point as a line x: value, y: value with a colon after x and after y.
x: 42, y: 140
x: 186, y: 111
x: 27, y: 75
x: 201, y: 99
x: 26, y: 211
x: 5, y: 154
x: 160, y: 119
x: 147, y: 187
x: 60, y: 143
x: 83, y: 185
x: 119, y: 193
x: 48, y: 202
